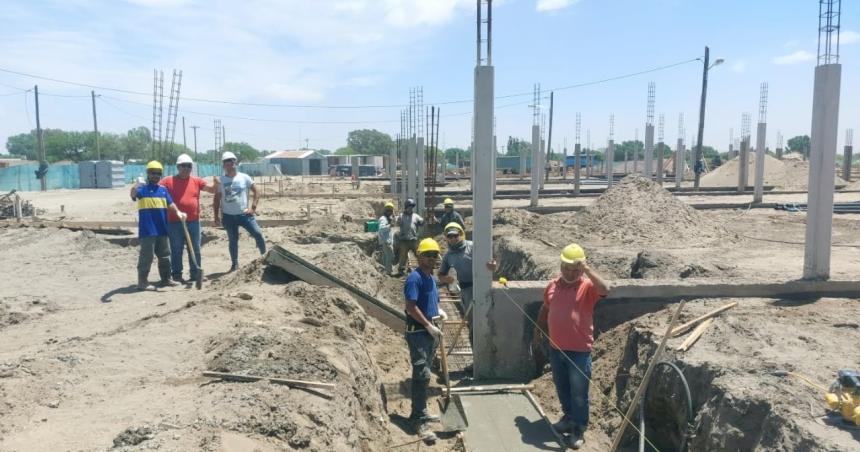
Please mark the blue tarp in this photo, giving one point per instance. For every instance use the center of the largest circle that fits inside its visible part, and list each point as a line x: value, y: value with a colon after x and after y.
x: 23, y: 177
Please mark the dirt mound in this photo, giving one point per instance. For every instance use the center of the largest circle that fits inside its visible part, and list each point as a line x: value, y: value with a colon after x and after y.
x: 786, y: 174
x: 515, y: 217
x: 639, y: 211
x: 655, y: 264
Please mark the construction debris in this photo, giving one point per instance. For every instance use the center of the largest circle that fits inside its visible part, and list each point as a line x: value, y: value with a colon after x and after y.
x: 687, y: 326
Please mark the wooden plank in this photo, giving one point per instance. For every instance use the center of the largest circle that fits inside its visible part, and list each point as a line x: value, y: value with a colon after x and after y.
x: 694, y: 336
x: 283, y: 381
x: 687, y: 326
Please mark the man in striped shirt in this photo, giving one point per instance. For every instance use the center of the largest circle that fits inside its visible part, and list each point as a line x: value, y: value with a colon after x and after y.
x: 153, y: 200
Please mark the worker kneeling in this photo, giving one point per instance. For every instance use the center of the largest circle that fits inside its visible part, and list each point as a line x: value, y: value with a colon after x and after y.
x: 422, y: 336
x: 567, y: 313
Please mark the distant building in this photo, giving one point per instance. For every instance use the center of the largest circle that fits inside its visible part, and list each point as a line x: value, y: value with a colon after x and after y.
x: 306, y: 162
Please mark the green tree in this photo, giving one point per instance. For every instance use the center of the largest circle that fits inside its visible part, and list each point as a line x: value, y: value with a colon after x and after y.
x: 244, y: 151
x: 453, y: 155
x: 799, y: 143
x: 517, y: 147
x: 23, y: 145
x: 369, y: 142
x: 346, y: 150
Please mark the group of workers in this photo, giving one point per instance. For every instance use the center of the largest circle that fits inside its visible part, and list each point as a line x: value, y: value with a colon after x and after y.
x: 565, y: 320
x: 169, y: 207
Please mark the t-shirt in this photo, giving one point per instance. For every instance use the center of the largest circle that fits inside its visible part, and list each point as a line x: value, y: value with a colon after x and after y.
x: 571, y: 309
x: 452, y: 217
x: 409, y: 224
x: 186, y: 195
x: 384, y: 232
x: 421, y: 288
x: 152, y: 201
x: 461, y: 259
x: 234, y: 193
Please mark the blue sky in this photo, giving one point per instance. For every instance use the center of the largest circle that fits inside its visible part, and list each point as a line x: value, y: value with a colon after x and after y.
x: 370, y: 52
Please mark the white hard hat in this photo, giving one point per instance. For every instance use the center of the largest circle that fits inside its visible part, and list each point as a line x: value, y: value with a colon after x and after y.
x: 184, y: 158
x: 228, y: 156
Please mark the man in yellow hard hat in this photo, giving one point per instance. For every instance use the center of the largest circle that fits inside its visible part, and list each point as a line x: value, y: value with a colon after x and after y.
x: 385, y: 237
x: 153, y: 201
x: 422, y: 336
x: 409, y: 229
x: 450, y: 215
x: 567, y: 314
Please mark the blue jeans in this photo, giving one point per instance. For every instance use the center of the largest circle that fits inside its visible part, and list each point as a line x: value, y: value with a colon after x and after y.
x: 571, y: 384
x: 231, y: 225
x: 177, y: 247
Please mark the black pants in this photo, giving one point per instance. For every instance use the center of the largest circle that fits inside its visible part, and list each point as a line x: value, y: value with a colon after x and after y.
x: 422, y: 349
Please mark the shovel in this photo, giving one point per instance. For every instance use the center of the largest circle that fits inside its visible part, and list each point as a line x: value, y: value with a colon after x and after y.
x: 199, y: 280
x: 451, y: 407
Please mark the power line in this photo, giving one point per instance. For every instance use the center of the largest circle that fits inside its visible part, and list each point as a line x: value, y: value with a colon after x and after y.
x: 275, y: 105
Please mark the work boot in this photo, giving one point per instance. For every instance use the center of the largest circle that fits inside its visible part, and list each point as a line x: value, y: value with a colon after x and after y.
x: 167, y: 283
x: 233, y: 268
x: 142, y: 282
x: 565, y: 425
x: 425, y: 432
x: 576, y: 440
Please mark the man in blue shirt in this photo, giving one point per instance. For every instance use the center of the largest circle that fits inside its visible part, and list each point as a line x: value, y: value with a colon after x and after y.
x: 153, y: 200
x: 422, y: 305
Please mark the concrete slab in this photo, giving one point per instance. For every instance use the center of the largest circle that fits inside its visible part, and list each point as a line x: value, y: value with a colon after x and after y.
x: 505, y: 422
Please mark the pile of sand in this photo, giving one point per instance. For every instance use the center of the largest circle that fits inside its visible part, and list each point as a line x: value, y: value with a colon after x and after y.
x: 639, y: 211
x: 786, y: 174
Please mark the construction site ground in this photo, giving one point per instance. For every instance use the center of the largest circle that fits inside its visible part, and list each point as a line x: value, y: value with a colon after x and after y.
x: 88, y: 363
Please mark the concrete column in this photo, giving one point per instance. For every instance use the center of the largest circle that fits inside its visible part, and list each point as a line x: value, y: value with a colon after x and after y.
x: 846, y: 163
x: 482, y: 238
x: 421, y: 176
x: 564, y: 165
x: 411, y: 169
x: 522, y: 165
x: 761, y: 134
x: 609, y: 161
x: 660, y: 163
x: 778, y: 153
x: 731, y: 152
x: 648, y: 160
x: 679, y: 163
x: 822, y: 159
x: 577, y: 166
x: 535, y: 170
x: 495, y: 163
x: 392, y: 170
x: 743, y: 169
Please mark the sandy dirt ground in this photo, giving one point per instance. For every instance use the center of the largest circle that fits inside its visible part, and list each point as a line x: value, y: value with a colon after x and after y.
x: 88, y: 363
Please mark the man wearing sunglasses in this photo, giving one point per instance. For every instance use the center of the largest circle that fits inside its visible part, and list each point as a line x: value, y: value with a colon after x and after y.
x: 231, y: 198
x: 153, y: 202
x: 185, y: 190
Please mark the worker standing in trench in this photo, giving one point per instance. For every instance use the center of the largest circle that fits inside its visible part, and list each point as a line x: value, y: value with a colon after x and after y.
x: 153, y: 201
x: 408, y: 224
x: 386, y: 238
x: 422, y: 336
x: 450, y: 215
x: 567, y: 313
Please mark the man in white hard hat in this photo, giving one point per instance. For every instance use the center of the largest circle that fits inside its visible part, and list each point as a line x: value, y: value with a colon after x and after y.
x: 185, y: 190
x: 231, y: 199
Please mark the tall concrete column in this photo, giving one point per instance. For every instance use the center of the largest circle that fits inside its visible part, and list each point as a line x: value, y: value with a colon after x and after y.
x: 411, y: 169
x: 609, y: 160
x: 577, y: 166
x: 660, y: 147
x: 421, y: 176
x: 522, y: 165
x: 564, y: 164
x: 822, y: 159
x: 732, y: 152
x: 392, y: 171
x: 482, y: 248
x: 679, y: 163
x: 744, y: 162
x: 648, y: 160
x: 535, y: 170
x: 761, y: 134
x: 495, y: 163
x: 846, y: 162
x: 778, y: 153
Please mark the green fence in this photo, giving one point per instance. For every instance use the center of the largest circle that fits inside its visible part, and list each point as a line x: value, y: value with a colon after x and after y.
x: 23, y: 177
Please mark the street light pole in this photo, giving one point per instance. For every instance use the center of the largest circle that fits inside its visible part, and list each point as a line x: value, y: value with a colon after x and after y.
x: 698, y: 165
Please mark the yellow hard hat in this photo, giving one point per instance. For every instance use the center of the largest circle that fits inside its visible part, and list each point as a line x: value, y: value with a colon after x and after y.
x: 427, y: 245
x: 503, y: 281
x: 454, y: 225
x: 389, y: 205
x: 572, y: 253
x: 154, y: 165
x: 448, y: 202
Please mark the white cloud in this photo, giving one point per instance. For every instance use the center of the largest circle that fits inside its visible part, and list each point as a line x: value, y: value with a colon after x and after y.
x: 849, y: 37
x: 739, y: 66
x: 553, y: 5
x: 795, y: 57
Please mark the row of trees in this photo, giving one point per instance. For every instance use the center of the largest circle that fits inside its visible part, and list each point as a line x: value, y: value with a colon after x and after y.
x: 134, y: 145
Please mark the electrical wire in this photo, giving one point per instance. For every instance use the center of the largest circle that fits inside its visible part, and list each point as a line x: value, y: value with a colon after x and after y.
x: 372, y: 106
x: 553, y: 343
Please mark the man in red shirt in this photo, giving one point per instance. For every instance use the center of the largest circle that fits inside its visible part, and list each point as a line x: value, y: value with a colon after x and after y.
x: 185, y: 191
x: 567, y: 312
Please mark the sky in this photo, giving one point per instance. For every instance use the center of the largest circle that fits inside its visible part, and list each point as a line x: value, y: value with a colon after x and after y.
x: 323, y: 68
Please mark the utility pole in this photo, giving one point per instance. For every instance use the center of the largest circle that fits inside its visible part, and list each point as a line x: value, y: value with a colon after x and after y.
x: 96, y: 126
x: 549, y: 139
x: 194, y: 129
x: 43, y: 164
x: 697, y: 161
